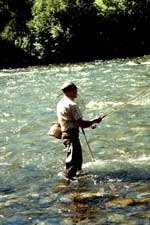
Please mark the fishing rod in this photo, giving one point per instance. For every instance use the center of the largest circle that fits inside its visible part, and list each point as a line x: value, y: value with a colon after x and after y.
x: 109, y: 113
x: 117, y: 108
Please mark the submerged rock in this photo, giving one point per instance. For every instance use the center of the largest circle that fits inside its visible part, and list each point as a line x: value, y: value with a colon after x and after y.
x: 91, y: 198
x: 120, y: 201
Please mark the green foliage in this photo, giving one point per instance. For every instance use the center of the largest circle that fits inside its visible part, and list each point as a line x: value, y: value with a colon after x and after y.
x: 67, y: 30
x: 110, y: 6
x: 57, y: 25
x: 40, y: 27
x: 18, y: 13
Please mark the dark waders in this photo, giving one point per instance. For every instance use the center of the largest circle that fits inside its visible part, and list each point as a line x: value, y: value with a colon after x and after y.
x: 74, y: 152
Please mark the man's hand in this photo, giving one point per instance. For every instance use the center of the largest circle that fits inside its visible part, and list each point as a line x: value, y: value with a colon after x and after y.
x: 97, y: 120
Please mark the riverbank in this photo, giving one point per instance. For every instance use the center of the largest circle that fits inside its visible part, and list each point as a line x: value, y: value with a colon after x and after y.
x: 11, y: 57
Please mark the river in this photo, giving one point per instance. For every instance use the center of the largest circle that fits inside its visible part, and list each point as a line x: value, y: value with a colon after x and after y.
x: 116, y: 189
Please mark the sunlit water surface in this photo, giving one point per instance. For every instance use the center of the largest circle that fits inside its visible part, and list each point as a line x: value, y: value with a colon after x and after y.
x: 117, y: 187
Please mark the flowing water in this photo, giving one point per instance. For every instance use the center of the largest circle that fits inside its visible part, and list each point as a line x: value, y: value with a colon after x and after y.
x: 116, y: 189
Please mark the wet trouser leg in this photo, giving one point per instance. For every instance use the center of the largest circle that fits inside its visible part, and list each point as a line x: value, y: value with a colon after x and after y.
x: 74, y: 158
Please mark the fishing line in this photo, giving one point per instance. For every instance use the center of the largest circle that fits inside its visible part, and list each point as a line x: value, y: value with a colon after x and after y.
x: 117, y: 108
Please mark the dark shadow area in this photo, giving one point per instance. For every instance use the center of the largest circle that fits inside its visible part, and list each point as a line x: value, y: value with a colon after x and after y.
x: 131, y: 175
x: 13, y: 57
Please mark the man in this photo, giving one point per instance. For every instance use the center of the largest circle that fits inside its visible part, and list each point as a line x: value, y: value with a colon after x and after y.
x: 70, y: 119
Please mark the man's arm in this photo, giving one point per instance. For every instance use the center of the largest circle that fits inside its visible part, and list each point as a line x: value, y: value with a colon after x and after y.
x: 87, y: 123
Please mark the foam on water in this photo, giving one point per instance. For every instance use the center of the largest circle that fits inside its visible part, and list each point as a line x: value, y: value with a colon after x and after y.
x: 102, y: 165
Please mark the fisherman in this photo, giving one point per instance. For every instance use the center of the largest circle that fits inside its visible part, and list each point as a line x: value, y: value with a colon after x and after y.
x: 70, y: 119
